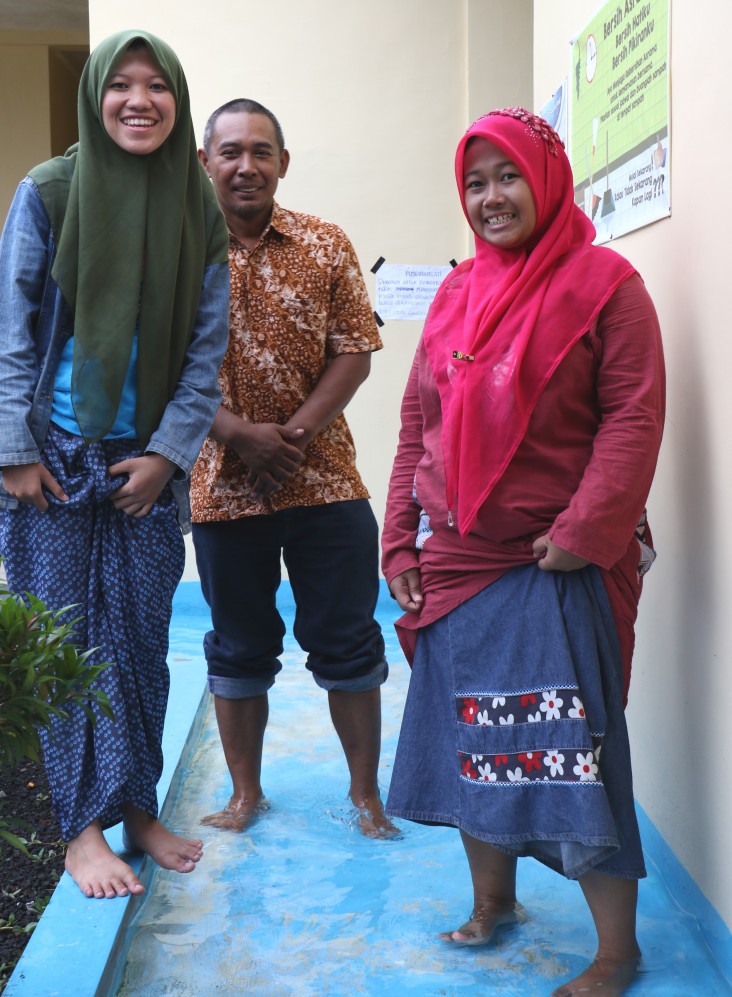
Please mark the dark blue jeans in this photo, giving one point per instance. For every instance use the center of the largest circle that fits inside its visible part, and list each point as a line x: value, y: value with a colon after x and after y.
x: 331, y: 553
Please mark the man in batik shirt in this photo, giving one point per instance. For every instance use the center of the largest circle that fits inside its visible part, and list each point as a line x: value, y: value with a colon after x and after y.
x: 277, y: 475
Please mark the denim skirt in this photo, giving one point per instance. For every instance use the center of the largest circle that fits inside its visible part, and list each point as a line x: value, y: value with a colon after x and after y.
x: 514, y: 730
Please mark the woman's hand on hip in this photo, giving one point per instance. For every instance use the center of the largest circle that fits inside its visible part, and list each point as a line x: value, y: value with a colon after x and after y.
x: 27, y: 481
x: 147, y: 476
x: 552, y: 557
x: 407, y: 590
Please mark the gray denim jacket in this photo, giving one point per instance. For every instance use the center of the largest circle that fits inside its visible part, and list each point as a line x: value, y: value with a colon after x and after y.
x: 35, y: 322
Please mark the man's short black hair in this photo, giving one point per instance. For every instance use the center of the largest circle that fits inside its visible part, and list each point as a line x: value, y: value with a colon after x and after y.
x: 241, y: 105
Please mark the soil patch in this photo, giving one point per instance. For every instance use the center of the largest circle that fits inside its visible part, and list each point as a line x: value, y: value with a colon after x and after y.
x: 26, y: 881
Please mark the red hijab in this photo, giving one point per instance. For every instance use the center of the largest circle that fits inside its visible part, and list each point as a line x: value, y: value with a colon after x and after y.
x: 514, y: 313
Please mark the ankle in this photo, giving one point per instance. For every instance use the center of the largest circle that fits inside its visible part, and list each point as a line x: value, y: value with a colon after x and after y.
x: 365, y: 796
x: 134, y: 818
x: 247, y: 793
x: 619, y: 955
x: 488, y: 906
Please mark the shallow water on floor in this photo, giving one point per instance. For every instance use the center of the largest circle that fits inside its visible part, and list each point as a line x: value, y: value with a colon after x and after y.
x: 302, y: 905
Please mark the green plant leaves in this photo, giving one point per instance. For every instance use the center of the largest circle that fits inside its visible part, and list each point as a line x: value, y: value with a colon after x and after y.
x: 43, y: 675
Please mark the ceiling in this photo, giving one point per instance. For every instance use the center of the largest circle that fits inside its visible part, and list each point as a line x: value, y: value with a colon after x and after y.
x: 44, y: 15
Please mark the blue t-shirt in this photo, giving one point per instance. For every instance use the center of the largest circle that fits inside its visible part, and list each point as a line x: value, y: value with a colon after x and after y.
x: 63, y: 411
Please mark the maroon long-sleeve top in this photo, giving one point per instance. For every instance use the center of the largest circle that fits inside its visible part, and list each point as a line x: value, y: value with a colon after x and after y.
x: 581, y: 474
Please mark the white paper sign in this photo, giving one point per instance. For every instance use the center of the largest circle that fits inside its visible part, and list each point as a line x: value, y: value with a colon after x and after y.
x: 406, y: 292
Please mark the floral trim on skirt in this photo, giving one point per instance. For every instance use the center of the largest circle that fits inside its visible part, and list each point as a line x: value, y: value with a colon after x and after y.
x: 514, y: 730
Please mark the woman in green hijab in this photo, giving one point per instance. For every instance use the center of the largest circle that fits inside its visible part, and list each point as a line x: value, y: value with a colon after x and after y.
x: 114, y: 294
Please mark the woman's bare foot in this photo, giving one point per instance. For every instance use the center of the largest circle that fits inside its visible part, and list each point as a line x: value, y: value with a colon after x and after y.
x: 96, y: 870
x: 237, y: 815
x: 371, y: 820
x: 167, y: 849
x: 480, y: 927
x: 610, y: 977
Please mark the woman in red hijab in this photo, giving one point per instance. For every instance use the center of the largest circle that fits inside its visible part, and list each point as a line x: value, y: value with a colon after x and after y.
x: 515, y: 541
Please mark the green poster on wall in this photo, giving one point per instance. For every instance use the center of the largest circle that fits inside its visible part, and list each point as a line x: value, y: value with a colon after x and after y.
x: 619, y: 84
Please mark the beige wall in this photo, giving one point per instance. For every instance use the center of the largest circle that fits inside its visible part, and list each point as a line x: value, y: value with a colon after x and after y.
x: 23, y: 113
x: 500, y: 57
x: 65, y: 65
x: 680, y: 700
x: 24, y: 103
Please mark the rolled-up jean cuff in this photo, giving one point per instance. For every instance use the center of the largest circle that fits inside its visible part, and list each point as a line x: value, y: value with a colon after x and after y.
x: 238, y: 688
x: 376, y: 677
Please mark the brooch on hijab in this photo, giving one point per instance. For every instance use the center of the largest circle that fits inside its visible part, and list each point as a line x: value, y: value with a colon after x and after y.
x: 536, y: 127
x: 457, y: 355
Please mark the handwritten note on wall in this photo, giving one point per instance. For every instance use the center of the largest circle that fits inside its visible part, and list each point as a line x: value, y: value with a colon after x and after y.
x: 405, y: 292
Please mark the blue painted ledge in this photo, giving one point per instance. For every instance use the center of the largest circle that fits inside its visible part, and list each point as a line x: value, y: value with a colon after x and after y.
x: 687, y: 896
x: 72, y: 944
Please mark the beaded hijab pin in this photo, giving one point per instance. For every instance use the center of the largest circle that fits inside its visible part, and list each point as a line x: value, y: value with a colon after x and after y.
x: 537, y: 127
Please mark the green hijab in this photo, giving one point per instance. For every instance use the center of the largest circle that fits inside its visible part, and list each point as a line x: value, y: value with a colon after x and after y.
x: 134, y: 235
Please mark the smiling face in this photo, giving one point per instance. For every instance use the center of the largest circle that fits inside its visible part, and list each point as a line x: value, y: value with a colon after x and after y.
x: 245, y: 164
x: 498, y: 200
x: 138, y: 107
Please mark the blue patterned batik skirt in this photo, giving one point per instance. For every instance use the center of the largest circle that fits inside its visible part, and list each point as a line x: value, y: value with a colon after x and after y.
x: 514, y: 729
x: 119, y: 573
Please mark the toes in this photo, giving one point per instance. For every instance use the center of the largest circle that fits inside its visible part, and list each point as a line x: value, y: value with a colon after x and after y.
x: 227, y: 821
x: 456, y: 936
x: 119, y: 888
x: 116, y: 886
x: 193, y: 850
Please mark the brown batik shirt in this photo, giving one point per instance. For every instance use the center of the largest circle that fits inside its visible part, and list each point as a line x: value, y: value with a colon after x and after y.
x: 297, y: 300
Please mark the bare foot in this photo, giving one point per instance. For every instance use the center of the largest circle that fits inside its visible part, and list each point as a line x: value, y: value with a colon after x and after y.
x: 96, y: 870
x: 480, y: 927
x: 372, y: 822
x: 237, y: 815
x: 611, y: 976
x: 167, y: 849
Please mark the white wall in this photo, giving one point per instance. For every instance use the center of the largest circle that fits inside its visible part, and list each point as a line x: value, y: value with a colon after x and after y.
x: 679, y: 699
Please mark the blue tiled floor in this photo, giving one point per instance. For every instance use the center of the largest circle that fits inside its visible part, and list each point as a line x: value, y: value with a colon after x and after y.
x: 303, y: 905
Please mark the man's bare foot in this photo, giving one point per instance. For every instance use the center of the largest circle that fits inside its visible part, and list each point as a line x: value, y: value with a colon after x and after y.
x: 237, y: 815
x: 480, y: 927
x: 371, y: 820
x: 610, y: 976
x: 167, y: 849
x: 96, y: 870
